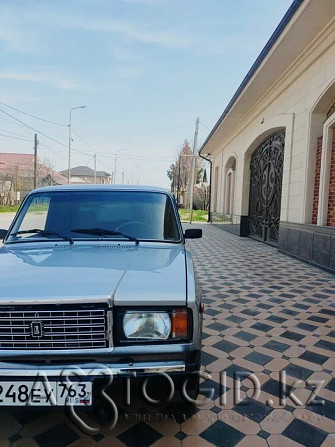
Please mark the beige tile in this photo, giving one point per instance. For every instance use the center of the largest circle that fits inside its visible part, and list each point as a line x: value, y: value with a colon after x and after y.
x: 276, y: 421
x: 267, y: 351
x: 83, y: 442
x: 294, y: 351
x: 241, y: 352
x: 211, y: 340
x: 219, y: 365
x: 276, y: 364
x: 329, y: 441
x: 167, y: 441
x: 166, y: 427
x: 197, y: 423
x: 239, y: 421
x: 252, y: 441
x: 281, y: 441
x: 196, y: 441
x: 250, y: 366
x: 42, y: 424
x: 9, y: 426
x: 25, y: 442
x: 260, y: 341
x: 315, y: 419
x: 110, y: 442
x: 310, y: 340
x: 330, y: 364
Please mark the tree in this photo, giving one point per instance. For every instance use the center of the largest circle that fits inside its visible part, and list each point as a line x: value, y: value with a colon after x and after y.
x: 180, y: 176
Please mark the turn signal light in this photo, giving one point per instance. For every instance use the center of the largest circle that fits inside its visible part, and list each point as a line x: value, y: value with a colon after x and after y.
x: 179, y: 323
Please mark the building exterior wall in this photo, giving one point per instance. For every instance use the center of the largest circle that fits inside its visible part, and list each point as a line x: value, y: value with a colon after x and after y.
x: 297, y: 103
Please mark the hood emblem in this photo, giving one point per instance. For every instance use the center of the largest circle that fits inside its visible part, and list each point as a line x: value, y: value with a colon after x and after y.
x: 36, y: 328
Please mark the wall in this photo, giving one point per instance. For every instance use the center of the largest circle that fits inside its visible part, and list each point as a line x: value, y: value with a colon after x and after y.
x: 290, y: 109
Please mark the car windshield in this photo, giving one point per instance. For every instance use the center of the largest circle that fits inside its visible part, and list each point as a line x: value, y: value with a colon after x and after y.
x: 119, y: 215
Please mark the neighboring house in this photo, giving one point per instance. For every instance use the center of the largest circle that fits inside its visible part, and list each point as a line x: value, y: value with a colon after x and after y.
x: 17, y: 177
x: 84, y: 174
x: 273, y: 148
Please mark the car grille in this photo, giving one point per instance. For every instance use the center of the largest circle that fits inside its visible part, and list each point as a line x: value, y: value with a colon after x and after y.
x: 52, y: 327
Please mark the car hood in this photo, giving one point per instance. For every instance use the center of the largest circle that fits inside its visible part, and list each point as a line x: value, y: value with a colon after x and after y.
x: 120, y: 273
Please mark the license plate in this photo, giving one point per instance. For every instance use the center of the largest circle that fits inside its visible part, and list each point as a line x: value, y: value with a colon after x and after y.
x: 46, y: 393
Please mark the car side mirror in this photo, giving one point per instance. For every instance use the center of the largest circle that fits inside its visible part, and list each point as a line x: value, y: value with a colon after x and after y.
x: 3, y: 234
x: 193, y: 233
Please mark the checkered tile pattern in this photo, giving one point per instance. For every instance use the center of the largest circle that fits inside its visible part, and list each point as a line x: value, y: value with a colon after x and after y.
x: 268, y: 317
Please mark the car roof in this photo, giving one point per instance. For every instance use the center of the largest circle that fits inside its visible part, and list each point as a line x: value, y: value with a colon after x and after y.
x: 86, y: 187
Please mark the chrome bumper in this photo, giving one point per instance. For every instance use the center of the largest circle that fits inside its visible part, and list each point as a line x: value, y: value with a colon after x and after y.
x: 14, y: 370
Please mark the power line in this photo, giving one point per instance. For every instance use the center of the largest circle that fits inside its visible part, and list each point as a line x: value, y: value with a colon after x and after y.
x: 33, y: 116
x: 13, y: 133
x: 14, y: 138
x: 32, y: 128
x: 85, y: 142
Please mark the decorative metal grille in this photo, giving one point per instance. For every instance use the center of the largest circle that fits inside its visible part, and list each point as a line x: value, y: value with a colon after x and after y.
x: 52, y: 327
x: 266, y: 172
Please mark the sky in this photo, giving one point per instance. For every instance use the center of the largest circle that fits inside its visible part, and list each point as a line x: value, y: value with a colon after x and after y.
x: 144, y: 69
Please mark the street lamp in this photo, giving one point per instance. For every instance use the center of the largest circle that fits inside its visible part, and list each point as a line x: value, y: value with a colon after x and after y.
x: 69, y: 162
x: 120, y: 150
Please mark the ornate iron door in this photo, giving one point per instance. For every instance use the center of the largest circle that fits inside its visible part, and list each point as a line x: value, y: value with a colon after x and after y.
x: 266, y: 172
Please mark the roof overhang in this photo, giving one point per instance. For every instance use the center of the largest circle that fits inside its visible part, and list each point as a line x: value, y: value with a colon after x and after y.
x: 299, y: 27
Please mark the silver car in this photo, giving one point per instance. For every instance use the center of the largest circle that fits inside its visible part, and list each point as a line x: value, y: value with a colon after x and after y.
x: 96, y: 282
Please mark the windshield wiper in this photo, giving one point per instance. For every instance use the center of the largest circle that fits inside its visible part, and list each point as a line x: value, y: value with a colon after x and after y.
x: 104, y: 232
x: 43, y: 233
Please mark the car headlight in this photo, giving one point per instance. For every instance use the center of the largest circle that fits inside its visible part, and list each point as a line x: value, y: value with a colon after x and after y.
x: 154, y: 325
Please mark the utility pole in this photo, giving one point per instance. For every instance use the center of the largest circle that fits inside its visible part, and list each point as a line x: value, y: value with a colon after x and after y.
x: 35, y: 161
x: 195, y: 145
x: 95, y: 168
x: 122, y: 177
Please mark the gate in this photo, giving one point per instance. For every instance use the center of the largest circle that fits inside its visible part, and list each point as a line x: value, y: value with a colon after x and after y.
x: 266, y: 172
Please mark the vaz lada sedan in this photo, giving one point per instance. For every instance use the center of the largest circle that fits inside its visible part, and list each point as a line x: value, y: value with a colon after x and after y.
x: 96, y: 282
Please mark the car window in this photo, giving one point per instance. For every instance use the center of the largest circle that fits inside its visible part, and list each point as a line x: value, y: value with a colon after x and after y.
x: 36, y: 214
x: 143, y: 215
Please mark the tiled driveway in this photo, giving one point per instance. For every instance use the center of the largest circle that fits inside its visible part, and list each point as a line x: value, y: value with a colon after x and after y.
x: 265, y: 314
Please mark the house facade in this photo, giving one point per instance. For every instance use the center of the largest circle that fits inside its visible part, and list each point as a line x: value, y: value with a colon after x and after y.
x: 273, y: 148
x: 17, y: 177
x: 84, y: 174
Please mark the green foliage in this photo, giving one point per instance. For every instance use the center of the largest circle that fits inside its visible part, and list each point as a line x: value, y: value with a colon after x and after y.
x: 198, y: 215
x: 8, y: 208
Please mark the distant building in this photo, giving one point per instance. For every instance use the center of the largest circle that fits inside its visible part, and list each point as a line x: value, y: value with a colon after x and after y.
x: 273, y: 148
x: 84, y: 174
x: 17, y: 177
